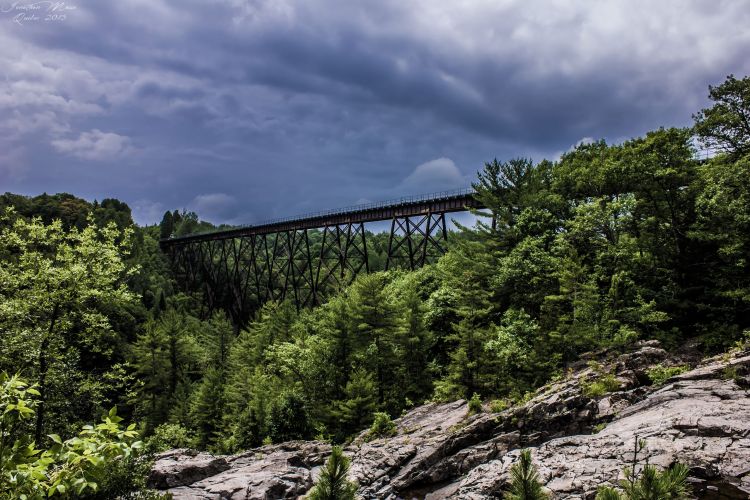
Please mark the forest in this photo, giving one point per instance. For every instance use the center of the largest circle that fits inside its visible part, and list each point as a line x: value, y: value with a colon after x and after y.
x: 609, y: 244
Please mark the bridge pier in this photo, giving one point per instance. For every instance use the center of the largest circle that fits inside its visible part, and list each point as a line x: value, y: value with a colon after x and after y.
x: 343, y: 255
x: 416, y: 240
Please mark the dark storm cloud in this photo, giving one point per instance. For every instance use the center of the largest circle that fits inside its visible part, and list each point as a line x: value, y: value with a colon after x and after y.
x: 246, y: 110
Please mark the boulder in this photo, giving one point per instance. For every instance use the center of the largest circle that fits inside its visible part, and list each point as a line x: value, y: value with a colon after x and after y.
x: 183, y: 467
x: 277, y: 471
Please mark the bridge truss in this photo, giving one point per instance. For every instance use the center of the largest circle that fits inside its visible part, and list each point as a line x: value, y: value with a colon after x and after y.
x: 306, y: 258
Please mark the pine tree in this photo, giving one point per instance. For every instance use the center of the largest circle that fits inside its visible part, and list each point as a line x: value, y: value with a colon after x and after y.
x: 152, y: 365
x: 166, y: 227
x: 208, y: 407
x: 416, y: 341
x: 355, y: 412
x: 650, y: 484
x: 332, y: 483
x: 525, y: 483
x: 375, y: 319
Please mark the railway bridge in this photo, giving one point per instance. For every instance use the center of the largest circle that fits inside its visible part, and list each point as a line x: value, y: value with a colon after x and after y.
x: 304, y: 258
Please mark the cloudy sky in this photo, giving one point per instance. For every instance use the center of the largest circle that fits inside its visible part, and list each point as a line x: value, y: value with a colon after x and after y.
x: 245, y: 110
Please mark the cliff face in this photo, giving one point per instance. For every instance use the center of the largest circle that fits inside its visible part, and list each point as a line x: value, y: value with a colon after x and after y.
x: 700, y: 418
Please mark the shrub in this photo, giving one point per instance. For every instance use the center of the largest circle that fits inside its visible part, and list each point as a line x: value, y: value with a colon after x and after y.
x: 525, y: 484
x: 660, y: 374
x: 499, y: 405
x: 126, y: 480
x: 599, y: 427
x: 332, y: 483
x: 382, y: 426
x: 600, y: 386
x: 730, y: 373
x: 168, y: 436
x: 475, y: 404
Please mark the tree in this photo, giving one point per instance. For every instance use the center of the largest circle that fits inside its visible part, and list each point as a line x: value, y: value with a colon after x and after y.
x: 332, y: 483
x: 726, y: 124
x: 355, y: 411
x: 723, y: 225
x: 208, y: 407
x: 415, y: 344
x: 524, y: 484
x: 54, y: 289
x: 512, y: 353
x: 507, y: 189
x: 376, y: 321
x: 167, y: 356
x: 650, y: 484
x: 166, y: 227
x: 289, y: 419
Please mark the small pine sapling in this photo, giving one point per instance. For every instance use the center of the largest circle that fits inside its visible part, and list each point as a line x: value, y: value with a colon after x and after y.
x: 525, y: 483
x: 332, y: 483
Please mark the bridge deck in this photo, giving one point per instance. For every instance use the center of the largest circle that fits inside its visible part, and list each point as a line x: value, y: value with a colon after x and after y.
x: 445, y: 202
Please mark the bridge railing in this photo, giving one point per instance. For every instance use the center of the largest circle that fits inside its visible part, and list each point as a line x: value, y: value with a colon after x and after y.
x: 440, y: 195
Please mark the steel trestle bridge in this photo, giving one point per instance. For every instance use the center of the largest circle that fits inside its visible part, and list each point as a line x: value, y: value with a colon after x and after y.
x: 304, y: 258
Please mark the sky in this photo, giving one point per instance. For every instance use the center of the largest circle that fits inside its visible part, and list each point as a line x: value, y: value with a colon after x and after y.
x: 247, y: 110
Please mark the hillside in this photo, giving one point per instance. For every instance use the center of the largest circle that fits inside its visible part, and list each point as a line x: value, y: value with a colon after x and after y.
x: 579, y: 439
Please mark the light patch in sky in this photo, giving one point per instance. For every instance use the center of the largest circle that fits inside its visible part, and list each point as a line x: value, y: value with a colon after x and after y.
x: 95, y: 145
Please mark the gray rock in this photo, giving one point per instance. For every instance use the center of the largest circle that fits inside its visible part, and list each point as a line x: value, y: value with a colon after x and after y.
x: 700, y: 421
x: 183, y: 467
x: 700, y: 418
x: 277, y: 471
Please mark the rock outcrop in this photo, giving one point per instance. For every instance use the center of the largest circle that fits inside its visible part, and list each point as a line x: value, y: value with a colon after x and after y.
x: 579, y: 441
x: 278, y: 471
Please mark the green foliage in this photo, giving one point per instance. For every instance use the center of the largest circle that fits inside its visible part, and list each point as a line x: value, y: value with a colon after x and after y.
x: 499, y: 405
x: 524, y: 480
x: 126, y: 480
x: 71, y: 467
x: 58, y: 291
x: 332, y: 483
x: 601, y: 385
x: 726, y: 124
x: 168, y: 436
x: 650, y: 483
x: 659, y: 374
x: 356, y: 410
x: 289, y: 419
x: 474, y: 404
x: 382, y: 426
x: 730, y: 373
x: 669, y: 484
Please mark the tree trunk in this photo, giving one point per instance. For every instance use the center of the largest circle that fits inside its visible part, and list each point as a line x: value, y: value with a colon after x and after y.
x: 43, y: 367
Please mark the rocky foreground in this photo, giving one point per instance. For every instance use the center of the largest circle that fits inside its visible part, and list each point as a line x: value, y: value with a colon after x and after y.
x: 700, y: 418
